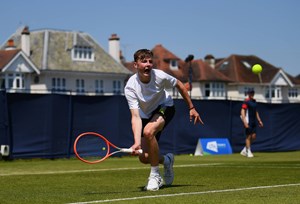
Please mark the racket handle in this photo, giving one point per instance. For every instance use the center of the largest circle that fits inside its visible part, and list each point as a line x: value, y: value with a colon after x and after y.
x: 129, y: 150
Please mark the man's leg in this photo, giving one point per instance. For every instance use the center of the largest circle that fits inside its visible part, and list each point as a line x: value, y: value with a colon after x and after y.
x: 151, y: 155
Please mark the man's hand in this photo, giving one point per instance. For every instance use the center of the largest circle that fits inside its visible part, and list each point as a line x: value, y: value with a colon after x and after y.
x: 195, y: 115
x: 136, y: 147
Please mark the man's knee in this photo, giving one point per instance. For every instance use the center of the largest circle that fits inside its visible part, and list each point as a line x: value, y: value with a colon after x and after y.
x: 148, y: 134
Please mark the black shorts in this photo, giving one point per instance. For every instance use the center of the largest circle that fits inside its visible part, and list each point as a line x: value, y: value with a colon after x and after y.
x: 251, y: 129
x: 167, y: 112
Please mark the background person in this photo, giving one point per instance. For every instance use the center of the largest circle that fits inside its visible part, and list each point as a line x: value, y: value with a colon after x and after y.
x: 250, y: 117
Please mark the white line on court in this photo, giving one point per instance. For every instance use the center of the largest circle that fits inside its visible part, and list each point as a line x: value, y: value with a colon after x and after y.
x: 98, y: 170
x: 139, y: 168
x: 190, y: 193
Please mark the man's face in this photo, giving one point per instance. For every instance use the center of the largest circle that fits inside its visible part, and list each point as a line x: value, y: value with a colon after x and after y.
x: 144, y: 67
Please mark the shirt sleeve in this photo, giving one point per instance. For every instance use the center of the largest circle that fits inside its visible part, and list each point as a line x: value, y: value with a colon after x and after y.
x: 244, y: 105
x: 131, y: 98
x: 170, y: 81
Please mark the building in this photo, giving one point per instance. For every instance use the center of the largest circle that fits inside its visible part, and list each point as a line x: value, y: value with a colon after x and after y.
x: 272, y: 85
x: 72, y: 62
x: 228, y: 78
x: 59, y: 61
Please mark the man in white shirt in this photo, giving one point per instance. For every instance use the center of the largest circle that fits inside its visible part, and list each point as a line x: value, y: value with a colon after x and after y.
x: 151, y: 110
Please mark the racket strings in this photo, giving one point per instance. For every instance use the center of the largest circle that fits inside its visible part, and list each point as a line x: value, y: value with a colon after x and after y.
x: 91, y: 148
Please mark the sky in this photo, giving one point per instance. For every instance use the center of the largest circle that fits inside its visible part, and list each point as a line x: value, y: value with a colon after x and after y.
x: 269, y: 29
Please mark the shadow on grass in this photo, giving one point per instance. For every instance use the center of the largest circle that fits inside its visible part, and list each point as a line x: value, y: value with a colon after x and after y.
x: 141, y: 189
x: 171, y: 186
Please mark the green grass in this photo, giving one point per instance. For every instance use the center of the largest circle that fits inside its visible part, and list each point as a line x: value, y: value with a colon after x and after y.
x: 266, y: 178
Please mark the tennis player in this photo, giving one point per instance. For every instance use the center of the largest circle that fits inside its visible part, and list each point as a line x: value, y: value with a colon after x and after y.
x: 151, y: 110
x: 250, y: 116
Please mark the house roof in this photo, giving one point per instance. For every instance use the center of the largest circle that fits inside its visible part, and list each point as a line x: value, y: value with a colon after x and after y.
x: 238, y: 69
x: 6, y: 56
x: 162, y: 58
x: 203, y: 72
x: 52, y: 50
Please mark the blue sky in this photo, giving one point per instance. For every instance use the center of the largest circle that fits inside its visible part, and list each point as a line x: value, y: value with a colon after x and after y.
x: 268, y: 29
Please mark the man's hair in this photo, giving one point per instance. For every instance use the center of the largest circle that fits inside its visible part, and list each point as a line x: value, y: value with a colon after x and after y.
x: 142, y: 54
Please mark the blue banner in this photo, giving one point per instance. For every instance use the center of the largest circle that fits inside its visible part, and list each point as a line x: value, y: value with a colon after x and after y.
x: 210, y: 146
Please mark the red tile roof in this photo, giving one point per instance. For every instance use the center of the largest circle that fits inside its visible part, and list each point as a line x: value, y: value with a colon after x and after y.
x: 235, y: 68
x: 6, y: 56
x: 203, y: 72
x: 238, y: 69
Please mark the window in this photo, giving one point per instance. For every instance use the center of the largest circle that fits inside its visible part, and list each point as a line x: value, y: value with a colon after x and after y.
x: 207, y: 89
x: 246, y: 64
x: 273, y: 92
x: 83, y: 53
x: 224, y: 65
x: 79, y: 85
x: 293, y: 93
x: 13, y: 81
x: 214, y: 89
x: 116, y: 87
x: 99, y: 87
x: 58, y: 84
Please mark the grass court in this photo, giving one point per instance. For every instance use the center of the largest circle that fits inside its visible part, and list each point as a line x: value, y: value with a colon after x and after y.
x: 266, y: 178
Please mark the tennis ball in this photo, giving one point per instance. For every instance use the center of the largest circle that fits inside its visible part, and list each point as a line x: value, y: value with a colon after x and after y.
x: 103, y: 148
x: 257, y: 68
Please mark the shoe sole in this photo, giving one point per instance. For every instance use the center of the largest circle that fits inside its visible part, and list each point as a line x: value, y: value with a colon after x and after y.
x: 243, y: 154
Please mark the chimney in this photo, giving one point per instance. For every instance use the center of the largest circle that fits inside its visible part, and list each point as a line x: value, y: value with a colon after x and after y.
x: 114, y: 47
x: 25, y: 41
x: 210, y: 60
x: 10, y: 45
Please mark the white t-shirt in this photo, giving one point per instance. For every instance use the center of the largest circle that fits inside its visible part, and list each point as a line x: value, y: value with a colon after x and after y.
x: 147, y: 97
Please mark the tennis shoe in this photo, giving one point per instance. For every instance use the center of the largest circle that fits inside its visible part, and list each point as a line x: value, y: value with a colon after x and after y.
x: 154, y: 183
x: 244, y: 152
x: 168, y: 169
x: 249, y: 154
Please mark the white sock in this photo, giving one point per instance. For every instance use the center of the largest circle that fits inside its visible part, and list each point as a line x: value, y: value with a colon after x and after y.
x: 154, y: 170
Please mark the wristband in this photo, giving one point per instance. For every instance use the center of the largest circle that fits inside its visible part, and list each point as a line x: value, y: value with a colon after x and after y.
x: 192, y: 108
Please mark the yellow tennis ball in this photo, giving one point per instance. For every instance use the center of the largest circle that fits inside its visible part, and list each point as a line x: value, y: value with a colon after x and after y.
x: 257, y: 68
x: 103, y: 148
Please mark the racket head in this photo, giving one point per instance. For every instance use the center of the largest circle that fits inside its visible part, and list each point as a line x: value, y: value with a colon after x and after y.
x: 91, y: 147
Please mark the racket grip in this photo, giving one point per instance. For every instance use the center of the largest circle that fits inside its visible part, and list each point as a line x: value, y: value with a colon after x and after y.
x: 129, y: 150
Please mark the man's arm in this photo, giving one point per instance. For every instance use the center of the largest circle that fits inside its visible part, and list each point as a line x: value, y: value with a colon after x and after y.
x: 185, y: 95
x: 260, y: 123
x: 136, y: 124
x: 243, y: 117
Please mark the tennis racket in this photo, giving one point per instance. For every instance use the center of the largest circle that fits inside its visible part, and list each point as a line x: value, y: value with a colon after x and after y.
x: 92, y: 148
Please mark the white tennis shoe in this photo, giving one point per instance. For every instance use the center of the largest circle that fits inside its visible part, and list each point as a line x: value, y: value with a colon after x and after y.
x: 168, y: 169
x: 249, y: 154
x: 244, y: 152
x: 154, y: 183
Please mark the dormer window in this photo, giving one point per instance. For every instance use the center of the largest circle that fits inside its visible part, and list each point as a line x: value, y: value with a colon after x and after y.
x: 224, y: 65
x: 173, y: 64
x: 246, y: 64
x: 83, y: 53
